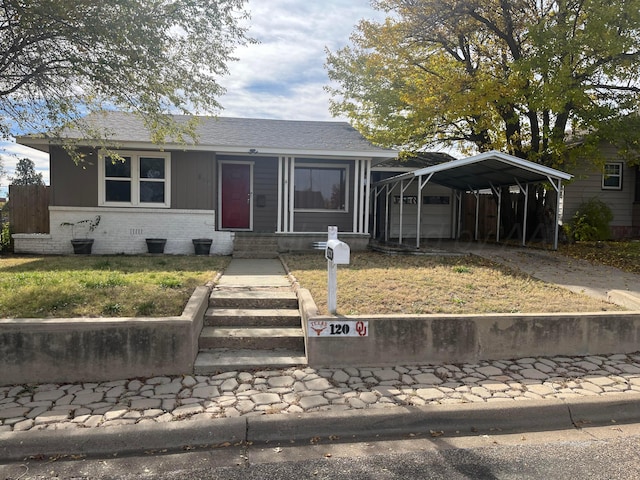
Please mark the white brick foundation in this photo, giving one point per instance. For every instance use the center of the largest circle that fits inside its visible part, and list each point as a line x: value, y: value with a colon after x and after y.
x: 123, y: 231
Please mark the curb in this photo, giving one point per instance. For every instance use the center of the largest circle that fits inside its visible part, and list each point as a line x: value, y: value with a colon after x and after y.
x: 435, y: 420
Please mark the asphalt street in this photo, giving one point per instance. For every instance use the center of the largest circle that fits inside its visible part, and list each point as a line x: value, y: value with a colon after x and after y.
x: 609, y: 452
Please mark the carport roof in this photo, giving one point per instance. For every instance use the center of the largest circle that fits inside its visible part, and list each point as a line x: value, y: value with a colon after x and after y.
x: 484, y: 171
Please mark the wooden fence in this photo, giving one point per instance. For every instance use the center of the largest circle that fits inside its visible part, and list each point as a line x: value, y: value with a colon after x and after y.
x: 29, y: 208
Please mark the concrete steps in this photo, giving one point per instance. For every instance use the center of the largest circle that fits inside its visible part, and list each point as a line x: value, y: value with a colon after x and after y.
x: 216, y: 360
x: 252, y: 317
x: 254, y: 338
x: 250, y: 328
x: 252, y: 245
x: 263, y: 298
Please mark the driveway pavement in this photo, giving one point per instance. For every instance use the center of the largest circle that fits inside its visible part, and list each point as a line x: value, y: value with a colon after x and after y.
x: 580, y: 276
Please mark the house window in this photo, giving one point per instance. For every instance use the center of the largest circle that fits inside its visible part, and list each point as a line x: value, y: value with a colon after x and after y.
x: 320, y: 188
x: 612, y: 176
x: 138, y: 179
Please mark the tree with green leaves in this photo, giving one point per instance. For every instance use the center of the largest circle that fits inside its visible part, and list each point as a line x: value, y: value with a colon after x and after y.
x: 519, y: 76
x: 63, y: 59
x: 26, y: 173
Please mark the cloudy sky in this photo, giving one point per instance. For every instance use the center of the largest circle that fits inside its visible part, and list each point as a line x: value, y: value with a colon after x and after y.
x: 282, y: 76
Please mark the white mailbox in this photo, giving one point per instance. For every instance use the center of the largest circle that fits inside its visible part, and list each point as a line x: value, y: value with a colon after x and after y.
x: 338, y: 252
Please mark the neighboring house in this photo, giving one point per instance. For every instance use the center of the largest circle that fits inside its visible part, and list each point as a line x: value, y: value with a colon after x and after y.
x: 617, y: 184
x: 287, y: 179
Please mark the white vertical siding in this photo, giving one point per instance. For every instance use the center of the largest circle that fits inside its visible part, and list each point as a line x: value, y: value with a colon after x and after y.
x: 435, y: 219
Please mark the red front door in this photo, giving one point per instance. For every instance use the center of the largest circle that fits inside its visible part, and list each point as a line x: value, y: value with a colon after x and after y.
x: 235, y: 195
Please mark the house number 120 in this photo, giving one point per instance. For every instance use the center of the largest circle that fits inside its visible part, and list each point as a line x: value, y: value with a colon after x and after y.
x: 339, y: 329
x: 347, y: 328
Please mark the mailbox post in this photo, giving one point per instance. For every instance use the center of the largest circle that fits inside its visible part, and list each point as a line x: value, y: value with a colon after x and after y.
x: 336, y: 253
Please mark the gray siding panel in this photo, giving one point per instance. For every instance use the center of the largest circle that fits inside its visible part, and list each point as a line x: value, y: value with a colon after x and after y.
x: 319, y: 221
x: 588, y: 185
x: 193, y: 180
x: 73, y: 185
x: 265, y: 195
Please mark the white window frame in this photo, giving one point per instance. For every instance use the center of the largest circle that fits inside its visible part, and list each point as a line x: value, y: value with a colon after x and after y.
x: 618, y: 175
x: 135, y: 179
x: 327, y: 166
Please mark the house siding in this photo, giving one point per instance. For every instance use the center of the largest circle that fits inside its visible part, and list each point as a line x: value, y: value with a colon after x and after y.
x: 74, y: 185
x: 588, y: 184
x: 193, y: 180
x: 193, y: 184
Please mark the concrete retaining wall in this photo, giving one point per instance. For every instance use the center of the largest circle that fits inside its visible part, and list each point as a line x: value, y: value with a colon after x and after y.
x: 427, y: 339
x: 88, y: 349
x: 123, y: 230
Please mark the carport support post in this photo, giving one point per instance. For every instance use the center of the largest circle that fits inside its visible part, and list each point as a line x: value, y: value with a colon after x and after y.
x: 477, y: 195
x: 557, y: 215
x: 525, y: 190
x: 459, y: 194
x: 498, y: 193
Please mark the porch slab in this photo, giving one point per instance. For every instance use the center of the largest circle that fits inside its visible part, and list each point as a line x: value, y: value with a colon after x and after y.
x: 254, y: 272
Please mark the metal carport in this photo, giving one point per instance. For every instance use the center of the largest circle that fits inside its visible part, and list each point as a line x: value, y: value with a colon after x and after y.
x: 486, y: 171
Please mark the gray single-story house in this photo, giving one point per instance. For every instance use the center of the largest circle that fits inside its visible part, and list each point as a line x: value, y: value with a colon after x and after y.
x: 616, y: 183
x: 288, y: 180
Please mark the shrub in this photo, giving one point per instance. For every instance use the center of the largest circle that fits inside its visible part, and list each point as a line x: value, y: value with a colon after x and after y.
x: 5, y: 237
x: 591, y: 221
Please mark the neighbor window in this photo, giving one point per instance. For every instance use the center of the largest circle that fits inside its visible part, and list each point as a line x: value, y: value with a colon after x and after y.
x: 320, y: 188
x: 612, y: 176
x: 135, y: 179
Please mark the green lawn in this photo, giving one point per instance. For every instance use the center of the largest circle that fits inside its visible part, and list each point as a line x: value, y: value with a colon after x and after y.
x: 94, y: 286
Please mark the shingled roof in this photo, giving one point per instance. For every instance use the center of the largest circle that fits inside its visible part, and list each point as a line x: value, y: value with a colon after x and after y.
x: 229, y: 134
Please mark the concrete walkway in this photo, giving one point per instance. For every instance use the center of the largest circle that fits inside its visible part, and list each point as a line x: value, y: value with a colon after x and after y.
x: 254, y: 273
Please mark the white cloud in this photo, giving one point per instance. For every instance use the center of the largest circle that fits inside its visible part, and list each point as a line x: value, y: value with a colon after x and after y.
x: 283, y: 76
x: 11, y: 152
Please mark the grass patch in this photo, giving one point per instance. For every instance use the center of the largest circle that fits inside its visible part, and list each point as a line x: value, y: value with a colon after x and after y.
x: 384, y: 284
x: 79, y: 286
